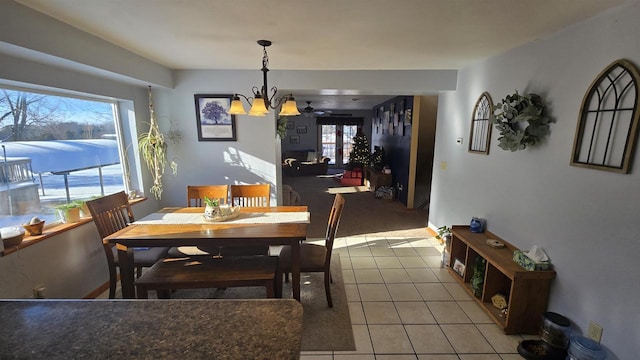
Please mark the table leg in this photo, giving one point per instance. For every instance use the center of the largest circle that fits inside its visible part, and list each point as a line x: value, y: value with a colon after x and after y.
x: 295, y: 269
x: 125, y: 262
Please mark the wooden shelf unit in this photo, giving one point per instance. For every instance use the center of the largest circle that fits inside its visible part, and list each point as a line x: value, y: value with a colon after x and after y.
x: 527, y: 292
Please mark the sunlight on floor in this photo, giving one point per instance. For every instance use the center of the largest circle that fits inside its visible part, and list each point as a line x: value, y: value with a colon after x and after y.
x: 348, y: 189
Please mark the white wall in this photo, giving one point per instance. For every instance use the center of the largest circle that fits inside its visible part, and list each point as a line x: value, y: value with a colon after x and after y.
x: 586, y: 220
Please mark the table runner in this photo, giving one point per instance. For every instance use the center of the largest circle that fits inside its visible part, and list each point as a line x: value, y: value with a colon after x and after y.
x: 243, y: 218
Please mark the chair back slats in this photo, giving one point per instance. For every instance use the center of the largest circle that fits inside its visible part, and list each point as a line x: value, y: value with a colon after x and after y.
x: 332, y: 226
x: 111, y: 213
x: 254, y: 195
x: 196, y: 194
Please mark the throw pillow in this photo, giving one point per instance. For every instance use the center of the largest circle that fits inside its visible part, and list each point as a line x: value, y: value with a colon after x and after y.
x: 311, y: 156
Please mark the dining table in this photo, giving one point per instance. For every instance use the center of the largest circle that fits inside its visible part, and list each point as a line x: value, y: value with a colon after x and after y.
x: 187, y: 226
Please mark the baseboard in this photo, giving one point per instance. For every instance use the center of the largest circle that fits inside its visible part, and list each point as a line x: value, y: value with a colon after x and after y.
x: 96, y: 292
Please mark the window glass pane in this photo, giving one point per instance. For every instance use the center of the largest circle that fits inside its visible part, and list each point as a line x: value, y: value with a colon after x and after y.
x: 55, y: 149
x: 329, y: 142
x: 348, y: 133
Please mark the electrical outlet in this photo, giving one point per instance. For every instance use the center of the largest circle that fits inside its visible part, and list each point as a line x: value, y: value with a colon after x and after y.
x: 459, y: 140
x: 594, y: 332
x: 38, y: 292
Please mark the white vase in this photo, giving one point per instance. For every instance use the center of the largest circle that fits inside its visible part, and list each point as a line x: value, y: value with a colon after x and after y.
x: 211, y: 212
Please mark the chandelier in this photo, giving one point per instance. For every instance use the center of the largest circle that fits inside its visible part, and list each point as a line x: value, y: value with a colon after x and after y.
x: 262, y: 102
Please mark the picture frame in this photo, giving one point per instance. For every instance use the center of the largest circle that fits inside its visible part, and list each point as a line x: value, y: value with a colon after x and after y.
x: 458, y: 267
x: 213, y: 119
x: 291, y: 125
x: 301, y: 130
x: 294, y: 139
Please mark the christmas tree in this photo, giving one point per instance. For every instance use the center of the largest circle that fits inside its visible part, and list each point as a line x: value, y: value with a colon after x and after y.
x: 360, y: 152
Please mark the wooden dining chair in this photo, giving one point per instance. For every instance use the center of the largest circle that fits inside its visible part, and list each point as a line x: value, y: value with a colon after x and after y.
x: 112, y: 213
x: 314, y: 257
x: 197, y: 193
x: 253, y: 195
x: 195, y: 198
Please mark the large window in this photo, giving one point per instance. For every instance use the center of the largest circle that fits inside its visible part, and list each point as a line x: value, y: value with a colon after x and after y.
x: 55, y: 149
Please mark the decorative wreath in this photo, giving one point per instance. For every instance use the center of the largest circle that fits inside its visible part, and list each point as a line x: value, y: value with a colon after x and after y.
x: 509, y: 118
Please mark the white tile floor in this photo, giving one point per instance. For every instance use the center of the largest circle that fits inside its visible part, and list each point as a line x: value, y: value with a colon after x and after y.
x: 405, y: 307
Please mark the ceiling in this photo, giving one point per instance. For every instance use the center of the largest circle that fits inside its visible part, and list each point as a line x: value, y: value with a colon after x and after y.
x: 321, y: 34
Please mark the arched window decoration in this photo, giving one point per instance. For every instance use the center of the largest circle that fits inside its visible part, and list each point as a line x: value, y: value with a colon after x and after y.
x: 481, y: 125
x: 606, y: 133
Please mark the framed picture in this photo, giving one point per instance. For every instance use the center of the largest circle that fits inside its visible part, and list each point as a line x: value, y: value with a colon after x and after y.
x: 301, y: 129
x: 294, y: 139
x: 291, y: 125
x: 214, y: 121
x: 458, y: 267
x: 407, y: 117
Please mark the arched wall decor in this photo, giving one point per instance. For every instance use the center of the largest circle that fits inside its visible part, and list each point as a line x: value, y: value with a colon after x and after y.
x: 480, y: 135
x: 608, y: 125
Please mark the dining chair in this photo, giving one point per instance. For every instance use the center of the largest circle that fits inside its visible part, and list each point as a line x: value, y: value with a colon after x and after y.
x: 314, y: 257
x: 195, y: 198
x: 112, y: 213
x: 197, y: 193
x: 253, y: 195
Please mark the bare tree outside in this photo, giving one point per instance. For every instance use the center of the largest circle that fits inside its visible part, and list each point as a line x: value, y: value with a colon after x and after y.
x: 28, y: 116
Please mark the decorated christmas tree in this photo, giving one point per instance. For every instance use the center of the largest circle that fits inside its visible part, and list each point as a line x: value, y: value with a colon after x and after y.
x: 360, y: 152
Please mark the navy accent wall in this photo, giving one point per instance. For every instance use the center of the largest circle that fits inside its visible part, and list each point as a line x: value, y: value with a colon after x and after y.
x: 394, y: 139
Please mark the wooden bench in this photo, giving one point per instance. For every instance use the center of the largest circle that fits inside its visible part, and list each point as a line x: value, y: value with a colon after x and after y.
x: 208, y: 272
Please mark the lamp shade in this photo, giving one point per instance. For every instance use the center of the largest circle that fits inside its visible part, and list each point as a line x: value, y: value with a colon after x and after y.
x: 258, y: 108
x: 289, y: 108
x: 236, y: 107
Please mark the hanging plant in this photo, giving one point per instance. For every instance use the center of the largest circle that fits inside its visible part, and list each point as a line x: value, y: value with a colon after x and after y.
x: 153, y: 150
x: 521, y: 120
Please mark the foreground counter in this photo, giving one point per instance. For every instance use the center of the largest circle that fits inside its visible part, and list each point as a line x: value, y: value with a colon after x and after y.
x: 150, y: 329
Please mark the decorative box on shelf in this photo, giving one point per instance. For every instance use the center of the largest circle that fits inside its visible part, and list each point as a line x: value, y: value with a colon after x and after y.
x: 521, y: 258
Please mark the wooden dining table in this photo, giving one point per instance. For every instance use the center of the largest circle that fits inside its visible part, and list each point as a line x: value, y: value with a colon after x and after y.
x: 240, y: 231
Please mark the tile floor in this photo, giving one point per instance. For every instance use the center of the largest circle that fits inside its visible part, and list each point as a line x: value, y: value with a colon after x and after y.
x: 404, y: 306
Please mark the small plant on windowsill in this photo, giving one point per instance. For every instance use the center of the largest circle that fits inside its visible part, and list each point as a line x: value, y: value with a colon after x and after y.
x: 70, y: 212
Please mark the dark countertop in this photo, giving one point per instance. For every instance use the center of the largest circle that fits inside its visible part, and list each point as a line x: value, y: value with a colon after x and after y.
x: 150, y: 329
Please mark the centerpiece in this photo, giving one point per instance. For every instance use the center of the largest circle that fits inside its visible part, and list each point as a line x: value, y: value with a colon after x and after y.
x: 213, y: 211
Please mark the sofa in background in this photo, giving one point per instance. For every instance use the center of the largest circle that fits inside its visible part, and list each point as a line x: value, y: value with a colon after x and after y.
x: 304, y: 162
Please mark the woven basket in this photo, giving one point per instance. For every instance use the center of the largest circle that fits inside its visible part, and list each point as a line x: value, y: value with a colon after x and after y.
x: 34, y: 229
x: 13, y: 241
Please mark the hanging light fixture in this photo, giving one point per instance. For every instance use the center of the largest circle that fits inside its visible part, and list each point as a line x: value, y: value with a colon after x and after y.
x: 262, y: 102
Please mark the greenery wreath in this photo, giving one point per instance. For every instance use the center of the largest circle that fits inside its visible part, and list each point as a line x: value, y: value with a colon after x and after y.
x: 514, y: 110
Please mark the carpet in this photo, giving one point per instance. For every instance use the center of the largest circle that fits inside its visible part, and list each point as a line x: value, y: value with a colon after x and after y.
x: 323, y: 328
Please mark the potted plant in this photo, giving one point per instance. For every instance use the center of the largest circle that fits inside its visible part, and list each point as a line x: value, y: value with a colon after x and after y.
x: 444, y: 236
x: 69, y: 212
x: 212, y: 207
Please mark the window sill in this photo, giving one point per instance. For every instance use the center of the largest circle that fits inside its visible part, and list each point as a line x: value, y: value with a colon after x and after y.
x: 52, y: 231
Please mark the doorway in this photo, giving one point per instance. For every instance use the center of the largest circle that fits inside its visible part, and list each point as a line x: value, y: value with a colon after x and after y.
x: 336, y: 142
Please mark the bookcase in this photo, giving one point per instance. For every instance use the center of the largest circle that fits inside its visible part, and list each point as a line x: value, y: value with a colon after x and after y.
x: 526, y: 292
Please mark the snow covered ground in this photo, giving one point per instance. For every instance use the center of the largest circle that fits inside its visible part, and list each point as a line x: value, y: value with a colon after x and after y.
x: 83, y: 184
